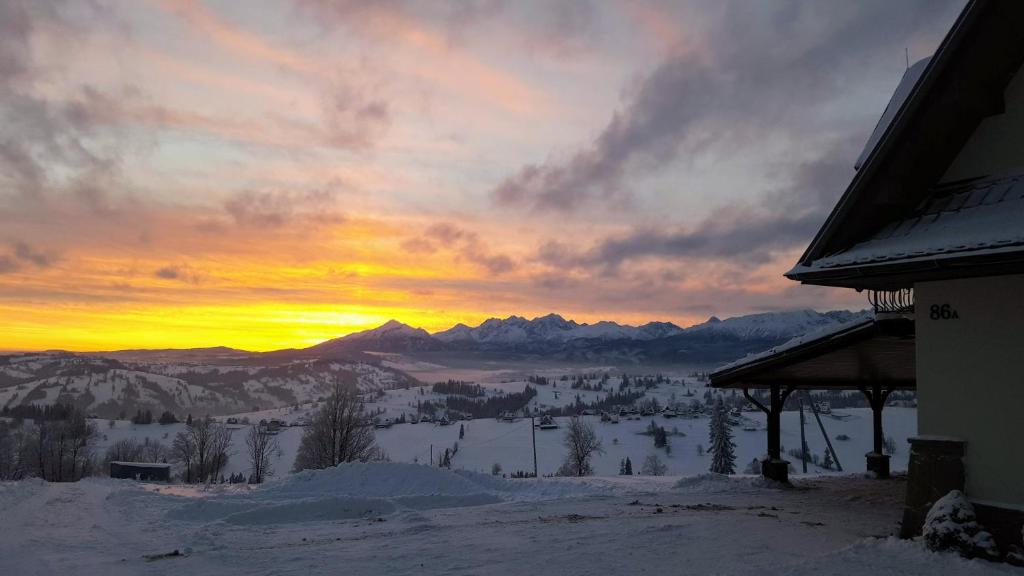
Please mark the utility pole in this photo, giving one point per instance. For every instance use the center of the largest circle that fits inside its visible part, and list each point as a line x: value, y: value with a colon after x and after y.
x: 803, y: 439
x: 431, y: 454
x: 533, y: 433
x: 828, y: 442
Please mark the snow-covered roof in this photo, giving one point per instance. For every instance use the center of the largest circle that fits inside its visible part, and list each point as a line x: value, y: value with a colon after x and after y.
x: 977, y: 217
x: 906, y: 85
x: 142, y: 464
x: 811, y: 337
x: 844, y: 357
x: 930, y: 118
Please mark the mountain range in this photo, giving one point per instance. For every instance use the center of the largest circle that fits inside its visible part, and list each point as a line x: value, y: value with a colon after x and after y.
x: 554, y: 337
x: 223, y: 380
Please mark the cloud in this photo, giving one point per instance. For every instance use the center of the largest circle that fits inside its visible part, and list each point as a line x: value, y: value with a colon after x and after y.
x: 26, y: 253
x: 22, y: 253
x: 167, y: 273
x: 180, y: 272
x: 752, y: 70
x: 354, y: 120
x: 750, y: 233
x: 463, y: 243
x: 276, y: 209
x: 46, y: 145
x: 418, y: 246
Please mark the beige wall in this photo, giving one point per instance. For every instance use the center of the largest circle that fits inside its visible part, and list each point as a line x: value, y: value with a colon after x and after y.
x: 970, y: 377
x: 997, y: 145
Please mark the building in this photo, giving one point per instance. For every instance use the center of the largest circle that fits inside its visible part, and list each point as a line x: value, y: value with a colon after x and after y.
x: 934, y: 217
x: 142, y: 471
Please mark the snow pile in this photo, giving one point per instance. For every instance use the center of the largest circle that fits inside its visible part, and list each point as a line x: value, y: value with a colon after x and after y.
x: 365, y: 490
x: 395, y: 480
x: 952, y: 525
x: 1016, y: 553
x: 711, y: 483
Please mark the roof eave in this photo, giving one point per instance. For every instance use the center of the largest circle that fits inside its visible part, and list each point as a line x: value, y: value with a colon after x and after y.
x: 854, y: 332
x: 904, y: 274
x: 899, y: 124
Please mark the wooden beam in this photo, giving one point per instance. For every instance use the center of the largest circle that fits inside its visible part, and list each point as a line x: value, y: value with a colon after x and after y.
x: 752, y: 400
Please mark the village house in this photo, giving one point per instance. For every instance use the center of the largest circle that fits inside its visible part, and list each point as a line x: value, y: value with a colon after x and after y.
x: 931, y: 228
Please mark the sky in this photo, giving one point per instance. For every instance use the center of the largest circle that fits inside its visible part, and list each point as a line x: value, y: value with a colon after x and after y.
x: 274, y: 173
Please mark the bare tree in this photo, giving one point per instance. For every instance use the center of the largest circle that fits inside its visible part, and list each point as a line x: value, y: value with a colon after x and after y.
x: 653, y: 466
x: 152, y: 451
x: 261, y: 445
x: 221, y: 449
x: 184, y: 451
x: 124, y: 450
x: 203, y: 448
x: 340, y: 432
x: 582, y: 443
x: 13, y: 452
x: 60, y: 450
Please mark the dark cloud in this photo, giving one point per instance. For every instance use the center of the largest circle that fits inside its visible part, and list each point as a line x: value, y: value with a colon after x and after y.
x: 180, y: 272
x: 45, y: 145
x: 167, y: 273
x: 26, y: 253
x: 464, y: 243
x: 750, y: 233
x: 22, y: 253
x: 759, y: 69
x: 276, y: 209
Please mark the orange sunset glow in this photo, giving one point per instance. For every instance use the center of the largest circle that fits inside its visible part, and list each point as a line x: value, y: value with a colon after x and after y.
x: 265, y: 175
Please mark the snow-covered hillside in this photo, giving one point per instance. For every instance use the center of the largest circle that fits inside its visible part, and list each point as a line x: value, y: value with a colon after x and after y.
x: 111, y: 388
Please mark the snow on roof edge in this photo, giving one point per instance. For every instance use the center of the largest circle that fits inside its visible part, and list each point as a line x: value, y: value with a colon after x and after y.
x: 896, y: 102
x: 793, y: 343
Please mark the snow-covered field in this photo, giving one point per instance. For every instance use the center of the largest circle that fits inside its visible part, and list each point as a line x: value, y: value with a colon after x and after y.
x: 490, y: 441
x: 405, y: 519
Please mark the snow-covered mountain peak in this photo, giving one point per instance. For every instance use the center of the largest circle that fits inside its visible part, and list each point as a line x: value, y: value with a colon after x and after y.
x: 784, y: 324
x: 390, y: 328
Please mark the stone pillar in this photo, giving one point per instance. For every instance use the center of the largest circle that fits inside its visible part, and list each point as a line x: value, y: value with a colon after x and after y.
x: 878, y: 464
x: 936, y: 467
x: 775, y: 469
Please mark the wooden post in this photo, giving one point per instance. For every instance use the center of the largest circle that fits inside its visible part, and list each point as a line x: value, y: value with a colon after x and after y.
x: 876, y: 419
x: 774, y: 468
x: 774, y: 425
x: 877, y: 459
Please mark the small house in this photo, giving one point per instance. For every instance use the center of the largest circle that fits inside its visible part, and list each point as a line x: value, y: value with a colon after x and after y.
x: 141, y: 471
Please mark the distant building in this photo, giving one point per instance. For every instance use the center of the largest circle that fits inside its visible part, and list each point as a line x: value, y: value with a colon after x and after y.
x: 142, y: 471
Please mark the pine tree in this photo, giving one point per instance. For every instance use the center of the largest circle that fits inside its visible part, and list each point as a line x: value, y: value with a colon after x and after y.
x: 629, y: 467
x: 723, y: 459
x: 827, y: 463
x: 462, y: 431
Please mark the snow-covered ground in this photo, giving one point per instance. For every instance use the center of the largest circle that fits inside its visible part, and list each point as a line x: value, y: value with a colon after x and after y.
x: 489, y: 441
x: 405, y: 519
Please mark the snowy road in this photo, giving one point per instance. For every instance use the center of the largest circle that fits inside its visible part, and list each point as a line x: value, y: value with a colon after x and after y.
x: 405, y: 519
